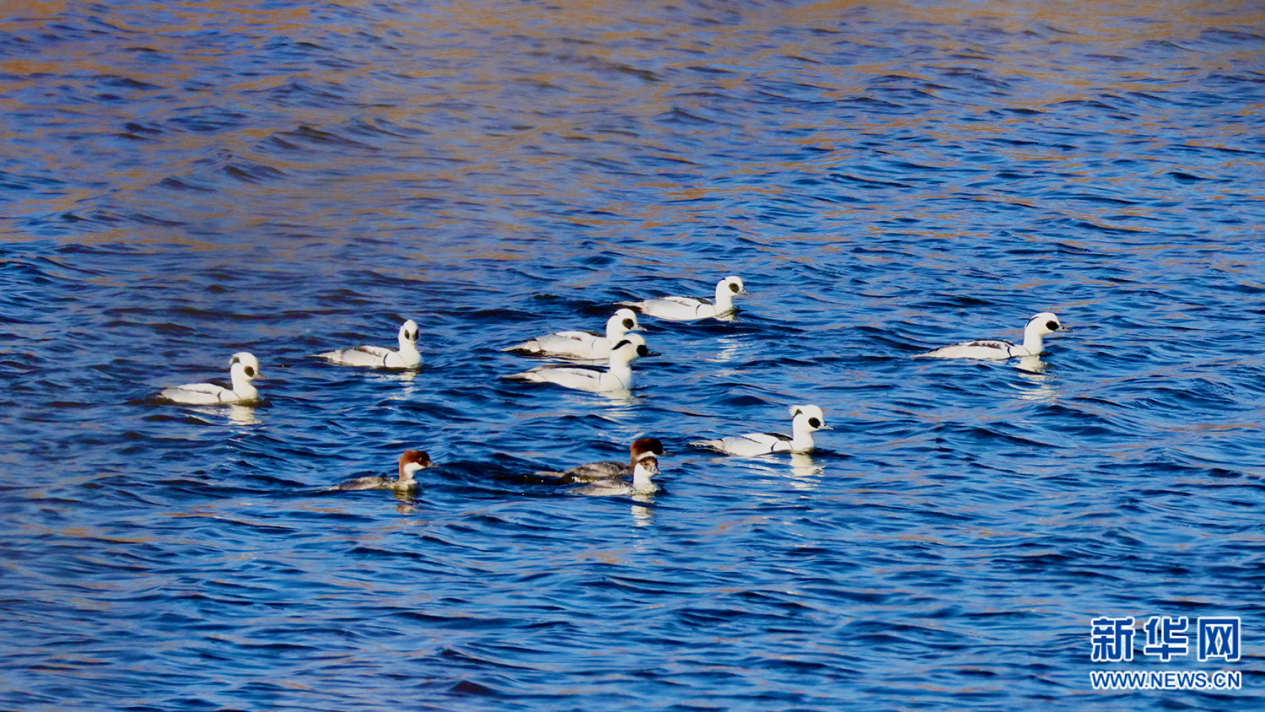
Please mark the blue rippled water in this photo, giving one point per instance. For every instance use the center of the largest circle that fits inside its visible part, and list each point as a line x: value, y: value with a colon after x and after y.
x: 181, y: 181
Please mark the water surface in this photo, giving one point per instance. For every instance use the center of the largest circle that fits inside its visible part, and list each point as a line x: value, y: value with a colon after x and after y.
x: 181, y: 181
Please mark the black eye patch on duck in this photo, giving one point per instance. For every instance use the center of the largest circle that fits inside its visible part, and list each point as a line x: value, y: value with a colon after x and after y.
x: 628, y: 323
x: 814, y: 422
x: 1052, y: 325
x: 250, y: 372
x: 733, y: 287
x: 643, y: 351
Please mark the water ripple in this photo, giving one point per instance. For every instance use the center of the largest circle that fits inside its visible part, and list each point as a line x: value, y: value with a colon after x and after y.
x: 288, y: 179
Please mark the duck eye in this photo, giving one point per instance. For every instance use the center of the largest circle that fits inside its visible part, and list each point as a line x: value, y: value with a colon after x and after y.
x: 628, y: 323
x: 733, y: 287
x: 250, y: 372
x: 1052, y: 325
x: 643, y: 350
x: 814, y: 422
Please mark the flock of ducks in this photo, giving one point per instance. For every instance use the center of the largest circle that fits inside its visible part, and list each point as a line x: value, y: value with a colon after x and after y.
x: 619, y: 347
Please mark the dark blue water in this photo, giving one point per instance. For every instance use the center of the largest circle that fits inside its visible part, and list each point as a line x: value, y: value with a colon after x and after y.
x: 181, y: 181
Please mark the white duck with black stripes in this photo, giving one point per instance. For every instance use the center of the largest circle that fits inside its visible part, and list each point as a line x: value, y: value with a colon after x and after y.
x: 379, y: 356
x: 807, y: 419
x: 618, y: 376
x: 1033, y: 342
x: 243, y: 368
x: 581, y: 344
x: 691, y: 308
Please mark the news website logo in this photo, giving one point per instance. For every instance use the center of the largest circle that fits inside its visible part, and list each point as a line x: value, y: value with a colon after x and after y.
x: 1166, y: 637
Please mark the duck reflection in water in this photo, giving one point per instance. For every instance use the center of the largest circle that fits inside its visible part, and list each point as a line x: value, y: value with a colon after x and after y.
x: 642, y: 516
x: 805, y: 473
x: 242, y: 415
x: 1031, y: 364
x: 1038, y: 373
x: 237, y: 414
x: 403, y: 377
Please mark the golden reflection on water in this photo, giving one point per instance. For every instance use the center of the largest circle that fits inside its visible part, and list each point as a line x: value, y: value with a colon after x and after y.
x: 514, y: 100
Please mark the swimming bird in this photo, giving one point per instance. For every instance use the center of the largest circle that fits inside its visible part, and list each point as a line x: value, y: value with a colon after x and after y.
x: 243, y: 369
x: 808, y: 419
x: 582, y: 344
x: 641, y: 484
x: 410, y: 462
x: 1038, y: 326
x: 640, y: 449
x: 617, y: 377
x: 380, y: 357
x: 691, y: 308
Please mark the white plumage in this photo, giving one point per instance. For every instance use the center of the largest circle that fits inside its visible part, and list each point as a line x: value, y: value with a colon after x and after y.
x: 691, y: 308
x: 808, y: 419
x: 582, y: 344
x: 243, y: 368
x: 1033, y: 344
x: 618, y: 376
x: 380, y: 357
